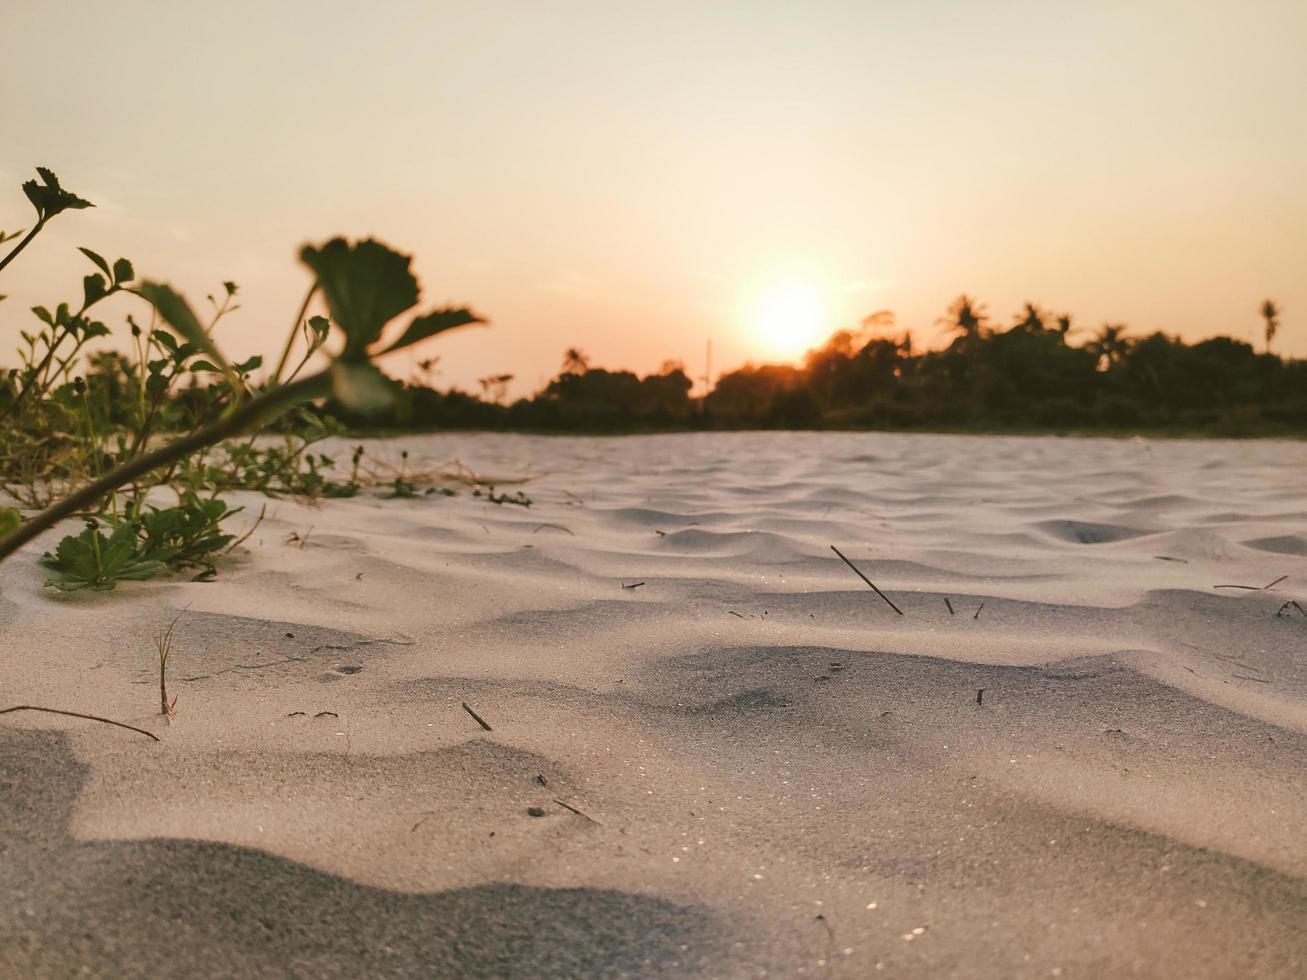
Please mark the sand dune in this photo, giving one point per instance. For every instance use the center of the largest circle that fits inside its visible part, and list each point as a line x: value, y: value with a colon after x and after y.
x: 1079, y: 751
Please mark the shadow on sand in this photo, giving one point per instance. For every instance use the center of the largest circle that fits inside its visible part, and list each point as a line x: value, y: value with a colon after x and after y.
x: 166, y: 907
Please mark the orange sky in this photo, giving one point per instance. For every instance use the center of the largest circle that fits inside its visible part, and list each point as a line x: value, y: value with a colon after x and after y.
x: 635, y: 178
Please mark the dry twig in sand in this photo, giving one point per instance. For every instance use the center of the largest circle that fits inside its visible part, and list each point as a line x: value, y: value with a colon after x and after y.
x: 1254, y: 588
x: 555, y: 527
x: 867, y: 580
x: 78, y: 714
x: 163, y: 643
x: 477, y: 718
x: 245, y: 537
x: 579, y: 813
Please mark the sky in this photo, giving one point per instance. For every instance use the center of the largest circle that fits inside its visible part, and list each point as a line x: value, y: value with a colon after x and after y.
x: 636, y: 179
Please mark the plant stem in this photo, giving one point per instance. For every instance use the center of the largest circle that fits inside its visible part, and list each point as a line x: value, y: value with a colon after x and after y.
x: 294, y: 331
x: 237, y: 421
x: 36, y: 229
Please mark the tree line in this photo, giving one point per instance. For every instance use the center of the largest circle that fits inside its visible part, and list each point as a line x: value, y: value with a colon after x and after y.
x: 1036, y: 373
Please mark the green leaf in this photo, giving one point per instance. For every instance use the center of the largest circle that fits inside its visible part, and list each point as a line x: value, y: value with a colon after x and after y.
x: 49, y: 198
x: 318, y: 327
x: 97, y: 259
x: 253, y: 363
x: 366, y: 285
x: 94, y: 289
x: 430, y: 324
x: 43, y: 315
x: 202, y: 365
x: 90, y: 560
x: 123, y: 271
x: 93, y: 329
x: 172, y: 306
x: 9, y: 521
x: 360, y: 387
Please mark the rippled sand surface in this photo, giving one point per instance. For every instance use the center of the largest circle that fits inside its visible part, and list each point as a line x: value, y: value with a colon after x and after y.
x: 1079, y: 751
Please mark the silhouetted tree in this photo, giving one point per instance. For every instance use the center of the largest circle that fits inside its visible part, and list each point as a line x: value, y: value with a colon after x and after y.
x: 1271, y: 314
x: 1110, y: 345
x: 966, y: 318
x: 575, y: 361
x: 1030, y: 319
x: 495, y: 387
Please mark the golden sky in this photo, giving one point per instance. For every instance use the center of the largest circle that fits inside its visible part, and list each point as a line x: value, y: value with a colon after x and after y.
x: 635, y: 178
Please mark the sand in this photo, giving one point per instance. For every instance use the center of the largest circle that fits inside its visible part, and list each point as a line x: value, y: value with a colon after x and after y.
x: 776, y: 774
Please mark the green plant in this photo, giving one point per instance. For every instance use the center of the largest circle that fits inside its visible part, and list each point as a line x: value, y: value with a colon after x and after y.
x: 401, y: 489
x: 72, y: 444
x: 91, y: 560
x: 518, y: 498
x: 188, y: 535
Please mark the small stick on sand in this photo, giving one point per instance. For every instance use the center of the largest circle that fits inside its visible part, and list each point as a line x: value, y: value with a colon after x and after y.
x: 867, y: 580
x: 633, y: 585
x: 980, y: 697
x: 977, y: 615
x: 1254, y: 588
x: 735, y: 614
x: 556, y: 527
x: 245, y: 537
x: 477, y: 718
x: 568, y: 806
x: 949, y: 604
x: 78, y: 714
x: 1292, y: 602
x: 1182, y: 561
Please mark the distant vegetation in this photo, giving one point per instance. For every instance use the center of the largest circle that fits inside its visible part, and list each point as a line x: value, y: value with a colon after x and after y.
x: 1038, y: 372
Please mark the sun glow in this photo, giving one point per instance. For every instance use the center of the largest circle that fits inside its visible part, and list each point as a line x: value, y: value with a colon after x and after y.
x: 789, y: 317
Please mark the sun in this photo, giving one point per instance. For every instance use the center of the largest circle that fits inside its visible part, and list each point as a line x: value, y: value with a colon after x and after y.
x: 789, y: 317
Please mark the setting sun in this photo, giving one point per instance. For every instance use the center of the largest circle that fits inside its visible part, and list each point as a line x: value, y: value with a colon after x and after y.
x: 789, y: 317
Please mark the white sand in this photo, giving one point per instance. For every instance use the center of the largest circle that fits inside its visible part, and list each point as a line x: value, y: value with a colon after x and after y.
x: 781, y: 776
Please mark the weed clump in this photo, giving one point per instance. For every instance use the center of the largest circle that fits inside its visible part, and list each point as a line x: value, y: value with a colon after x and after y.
x: 100, y: 433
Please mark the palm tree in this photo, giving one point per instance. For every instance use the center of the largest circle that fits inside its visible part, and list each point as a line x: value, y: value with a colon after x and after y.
x: 1110, y: 345
x: 575, y: 361
x: 495, y: 387
x: 966, y: 318
x: 1031, y: 319
x: 1271, y: 314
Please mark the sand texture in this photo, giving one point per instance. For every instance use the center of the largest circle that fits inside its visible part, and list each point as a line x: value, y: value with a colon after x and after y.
x: 748, y: 763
